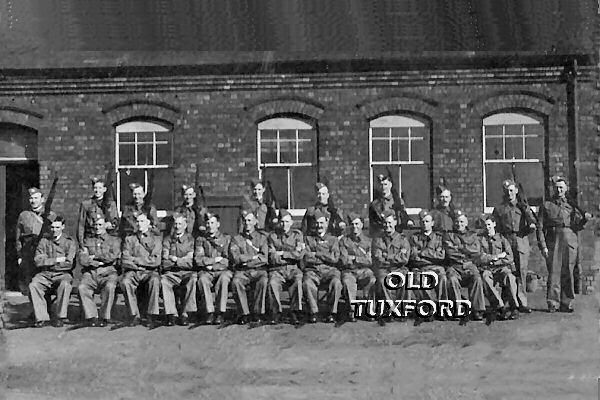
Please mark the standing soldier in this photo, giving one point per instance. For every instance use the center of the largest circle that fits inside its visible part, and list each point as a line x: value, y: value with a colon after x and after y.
x: 355, y: 261
x: 443, y: 214
x: 211, y: 254
x: 388, y: 199
x: 249, y: 254
x: 496, y: 263
x: 320, y: 266
x: 178, y: 270
x: 324, y: 205
x: 99, y: 203
x: 561, y: 219
x: 463, y: 250
x: 54, y: 256
x: 259, y: 207
x: 286, y: 251
x: 515, y: 220
x: 137, y: 205
x: 194, y: 214
x: 29, y: 226
x: 391, y: 252
x: 98, y: 256
x: 140, y: 262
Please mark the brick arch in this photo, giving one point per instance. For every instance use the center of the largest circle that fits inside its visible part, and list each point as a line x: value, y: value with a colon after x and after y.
x: 21, y: 116
x: 135, y: 109
x: 513, y: 101
x: 279, y: 106
x: 402, y: 104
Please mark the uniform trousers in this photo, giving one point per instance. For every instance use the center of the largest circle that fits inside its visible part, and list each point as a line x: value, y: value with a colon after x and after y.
x: 130, y: 282
x: 439, y: 293
x: 466, y: 275
x: 381, y: 292
x: 521, y: 250
x: 258, y: 278
x: 170, y: 280
x: 278, y: 277
x: 562, y: 251
x: 50, y: 280
x: 103, y: 280
x: 220, y: 279
x: 353, y: 279
x: 508, y: 285
x: 311, y: 281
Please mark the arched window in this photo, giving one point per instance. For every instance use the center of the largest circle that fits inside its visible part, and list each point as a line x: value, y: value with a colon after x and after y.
x: 399, y: 145
x: 144, y: 155
x: 513, y: 148
x: 287, y: 158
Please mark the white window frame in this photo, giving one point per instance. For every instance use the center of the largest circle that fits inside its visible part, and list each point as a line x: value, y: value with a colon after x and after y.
x: 394, y: 121
x: 137, y: 127
x: 504, y: 119
x: 283, y: 123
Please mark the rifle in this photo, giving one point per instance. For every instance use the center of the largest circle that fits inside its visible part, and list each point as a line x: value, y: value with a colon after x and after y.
x: 48, y: 205
x: 200, y: 189
x: 401, y: 214
x: 271, y: 202
x: 109, y: 196
x: 149, y: 193
x: 523, y: 203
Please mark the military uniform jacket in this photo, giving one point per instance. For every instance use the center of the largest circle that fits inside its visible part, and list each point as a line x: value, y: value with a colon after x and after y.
x: 492, y: 246
x: 462, y: 247
x: 357, y: 246
x: 243, y: 248
x: 88, y: 209
x: 29, y: 226
x: 443, y: 218
x: 376, y: 209
x: 390, y: 251
x: 514, y: 220
x: 48, y: 250
x: 105, y: 249
x: 309, y: 224
x: 426, y: 249
x: 181, y: 247
x: 128, y: 221
x: 292, y: 245
x: 326, y: 249
x: 142, y: 251
x: 559, y: 213
x: 260, y: 211
x: 195, y: 218
x: 208, y: 247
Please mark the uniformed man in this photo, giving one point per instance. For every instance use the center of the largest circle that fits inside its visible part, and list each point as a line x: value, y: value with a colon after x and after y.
x: 463, y: 250
x: 249, y: 254
x: 428, y: 254
x: 193, y: 213
x: 515, y: 220
x: 178, y: 271
x: 98, y: 256
x: 54, y: 256
x: 135, y: 206
x: 336, y: 222
x: 320, y: 266
x: 29, y: 226
x: 387, y: 200
x: 286, y: 252
x: 560, y: 220
x: 140, y: 261
x: 90, y: 208
x: 355, y: 262
x: 496, y: 265
x: 391, y: 252
x: 211, y: 254
x: 258, y: 205
x: 444, y: 213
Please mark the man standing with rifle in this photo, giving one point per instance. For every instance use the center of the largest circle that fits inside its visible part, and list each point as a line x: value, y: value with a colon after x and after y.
x: 193, y: 212
x: 101, y: 202
x: 388, y: 199
x: 140, y: 203
x: 262, y: 204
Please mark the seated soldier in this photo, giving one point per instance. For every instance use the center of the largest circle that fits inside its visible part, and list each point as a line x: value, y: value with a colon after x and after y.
x: 390, y: 252
x: 98, y: 257
x: 286, y: 251
x: 320, y: 266
x: 138, y: 204
x: 248, y: 253
x: 211, y: 254
x: 427, y: 254
x: 178, y: 270
x: 355, y: 261
x: 140, y: 261
x: 497, y: 266
x: 54, y: 256
x: 463, y: 249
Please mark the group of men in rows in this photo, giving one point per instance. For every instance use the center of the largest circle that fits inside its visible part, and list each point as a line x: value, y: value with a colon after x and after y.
x: 194, y: 257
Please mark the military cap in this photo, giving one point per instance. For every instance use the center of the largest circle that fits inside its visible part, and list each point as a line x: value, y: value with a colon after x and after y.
x: 352, y: 216
x: 320, y: 185
x: 459, y: 213
x: 255, y: 181
x: 424, y: 213
x: 185, y: 187
x: 508, y: 183
x: 557, y: 178
x: 133, y: 186
x: 34, y: 190
x: 178, y: 215
x: 138, y: 213
x: 382, y: 177
x: 210, y: 215
x: 246, y: 211
x: 95, y: 179
x: 487, y: 217
x: 318, y: 214
x: 284, y: 213
x: 389, y: 213
x: 97, y: 217
x: 54, y: 217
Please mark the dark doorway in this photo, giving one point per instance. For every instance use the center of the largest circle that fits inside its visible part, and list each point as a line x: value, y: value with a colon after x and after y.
x: 17, y: 179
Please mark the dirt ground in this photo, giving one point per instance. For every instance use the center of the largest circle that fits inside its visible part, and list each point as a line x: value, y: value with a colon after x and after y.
x: 540, y: 356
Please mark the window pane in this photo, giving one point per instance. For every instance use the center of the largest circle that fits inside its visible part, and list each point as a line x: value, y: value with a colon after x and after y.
x: 127, y: 176
x: 400, y: 150
x: 163, y: 154
x: 534, y: 130
x: 306, y: 134
x: 127, y: 137
x: 512, y: 130
x: 268, y: 134
x: 494, y: 175
x: 534, y: 147
x: 303, y: 183
x: 277, y: 177
x: 416, y: 185
x: 493, y: 149
x: 145, y: 154
x: 145, y: 137
x: 288, y: 152
x: 399, y: 132
x: 531, y: 177
x: 268, y: 152
x: 305, y: 152
x: 287, y: 134
x: 164, y: 189
x: 493, y: 130
x: 381, y: 150
x: 418, y: 132
x: 380, y: 132
x: 126, y: 154
x: 514, y: 148
x: 420, y: 150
